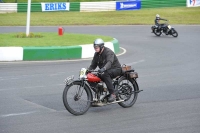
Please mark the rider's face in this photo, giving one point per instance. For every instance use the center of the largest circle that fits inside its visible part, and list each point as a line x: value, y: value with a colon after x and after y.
x: 97, y: 49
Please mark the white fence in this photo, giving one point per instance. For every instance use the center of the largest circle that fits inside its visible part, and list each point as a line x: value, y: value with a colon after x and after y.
x: 97, y: 6
x: 8, y: 7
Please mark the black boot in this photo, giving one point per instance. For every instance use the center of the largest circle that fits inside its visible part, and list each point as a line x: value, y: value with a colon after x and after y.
x: 112, y: 98
x: 167, y: 32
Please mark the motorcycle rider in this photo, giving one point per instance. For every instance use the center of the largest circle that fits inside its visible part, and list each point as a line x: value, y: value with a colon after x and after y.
x: 157, y: 19
x: 108, y: 64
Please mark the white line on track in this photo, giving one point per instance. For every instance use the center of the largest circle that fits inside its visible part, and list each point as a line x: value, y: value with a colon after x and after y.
x: 8, y: 89
x: 132, y: 63
x: 17, y: 114
x: 32, y: 87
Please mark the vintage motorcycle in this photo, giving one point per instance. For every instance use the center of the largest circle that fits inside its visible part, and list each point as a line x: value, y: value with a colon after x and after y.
x: 90, y: 91
x: 163, y: 29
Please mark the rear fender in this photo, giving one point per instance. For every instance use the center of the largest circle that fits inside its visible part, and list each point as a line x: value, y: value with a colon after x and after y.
x: 135, y: 82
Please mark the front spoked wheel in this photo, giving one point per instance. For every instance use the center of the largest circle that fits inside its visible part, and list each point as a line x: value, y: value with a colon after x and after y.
x: 174, y: 33
x: 77, y: 98
x: 127, y: 89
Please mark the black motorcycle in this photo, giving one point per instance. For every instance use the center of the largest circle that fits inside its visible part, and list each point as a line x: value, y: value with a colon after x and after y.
x: 164, y: 28
x: 90, y: 91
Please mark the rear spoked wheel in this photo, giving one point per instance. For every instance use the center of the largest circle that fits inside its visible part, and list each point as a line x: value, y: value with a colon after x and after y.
x: 127, y: 91
x: 157, y: 32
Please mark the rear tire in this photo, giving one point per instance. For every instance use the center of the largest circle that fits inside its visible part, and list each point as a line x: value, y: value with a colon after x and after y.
x: 156, y: 32
x: 127, y: 91
x: 76, y: 98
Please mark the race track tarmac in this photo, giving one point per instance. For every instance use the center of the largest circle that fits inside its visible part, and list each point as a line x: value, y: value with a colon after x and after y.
x: 169, y: 74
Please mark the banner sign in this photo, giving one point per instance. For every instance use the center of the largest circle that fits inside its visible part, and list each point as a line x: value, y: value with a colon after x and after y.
x: 128, y: 5
x: 193, y: 3
x: 55, y: 7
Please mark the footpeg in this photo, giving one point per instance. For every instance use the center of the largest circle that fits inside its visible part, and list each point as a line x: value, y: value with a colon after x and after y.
x: 100, y: 104
x: 116, y: 101
x: 97, y: 104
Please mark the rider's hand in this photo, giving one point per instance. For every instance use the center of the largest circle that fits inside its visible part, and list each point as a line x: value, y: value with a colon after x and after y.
x: 89, y: 71
x: 101, y: 70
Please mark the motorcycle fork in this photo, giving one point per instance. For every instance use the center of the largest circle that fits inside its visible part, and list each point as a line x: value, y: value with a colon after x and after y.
x: 80, y: 91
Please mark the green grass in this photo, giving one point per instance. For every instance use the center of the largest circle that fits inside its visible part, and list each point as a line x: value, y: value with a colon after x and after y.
x: 50, y: 39
x: 178, y: 15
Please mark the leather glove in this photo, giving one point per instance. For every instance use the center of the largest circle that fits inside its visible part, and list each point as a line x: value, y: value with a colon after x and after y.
x: 101, y: 70
x: 89, y: 70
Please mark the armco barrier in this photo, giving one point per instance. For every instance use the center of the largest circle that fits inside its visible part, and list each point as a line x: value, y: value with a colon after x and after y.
x: 162, y: 3
x: 35, y: 7
x: 52, y: 53
x: 74, y: 6
x: 11, y: 53
x: 8, y: 7
x: 92, y: 6
x: 116, y: 45
x: 97, y: 6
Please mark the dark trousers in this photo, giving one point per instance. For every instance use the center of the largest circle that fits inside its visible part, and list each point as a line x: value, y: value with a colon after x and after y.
x: 107, y: 77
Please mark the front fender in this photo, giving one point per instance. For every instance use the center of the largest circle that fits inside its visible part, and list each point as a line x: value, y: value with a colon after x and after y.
x: 173, y: 30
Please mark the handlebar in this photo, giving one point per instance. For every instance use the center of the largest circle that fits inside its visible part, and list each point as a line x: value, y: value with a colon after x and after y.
x: 95, y: 72
x: 92, y: 71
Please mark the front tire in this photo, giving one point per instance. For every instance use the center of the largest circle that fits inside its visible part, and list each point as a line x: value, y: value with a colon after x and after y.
x: 77, y: 98
x: 127, y: 89
x: 174, y: 33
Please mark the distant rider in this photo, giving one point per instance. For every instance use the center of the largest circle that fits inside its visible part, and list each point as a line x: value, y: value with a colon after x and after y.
x: 161, y: 25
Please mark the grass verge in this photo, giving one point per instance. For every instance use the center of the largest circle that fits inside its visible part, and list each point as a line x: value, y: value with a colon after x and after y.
x: 50, y: 39
x: 178, y: 15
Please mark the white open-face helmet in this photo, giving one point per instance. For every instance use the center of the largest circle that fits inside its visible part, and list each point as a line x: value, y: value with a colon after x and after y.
x: 157, y: 15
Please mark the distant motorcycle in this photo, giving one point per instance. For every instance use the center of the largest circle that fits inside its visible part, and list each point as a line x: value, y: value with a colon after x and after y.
x: 159, y: 30
x: 89, y: 90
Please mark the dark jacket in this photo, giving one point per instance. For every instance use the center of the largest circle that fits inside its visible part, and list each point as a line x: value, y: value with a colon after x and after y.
x: 106, y: 59
x: 157, y: 20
